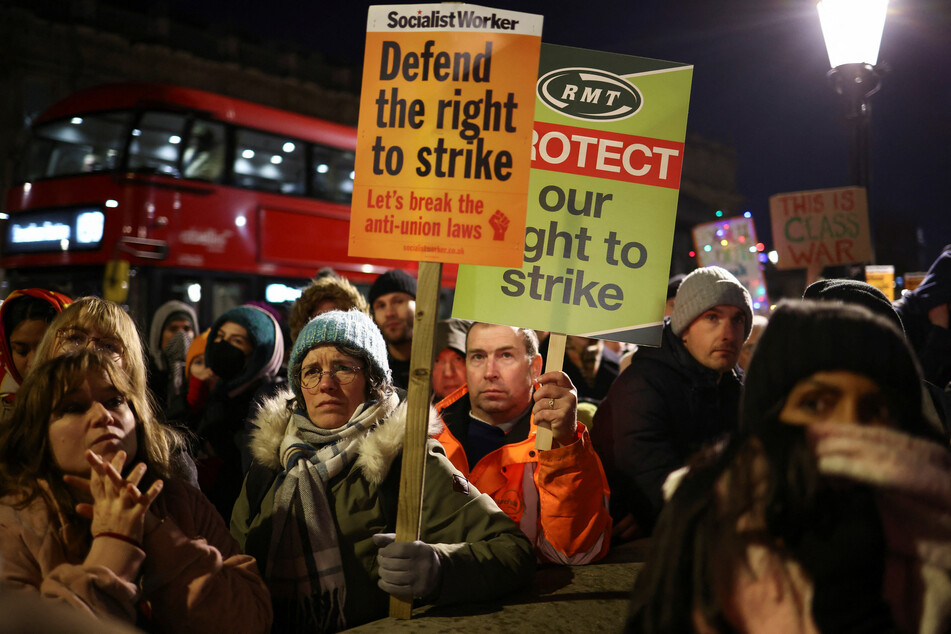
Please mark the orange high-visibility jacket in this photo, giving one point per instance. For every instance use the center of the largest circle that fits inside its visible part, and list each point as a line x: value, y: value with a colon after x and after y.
x: 559, y: 497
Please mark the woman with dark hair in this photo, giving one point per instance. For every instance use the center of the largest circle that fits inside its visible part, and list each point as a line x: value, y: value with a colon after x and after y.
x: 324, y: 486
x: 24, y: 317
x: 92, y: 515
x: 830, y: 511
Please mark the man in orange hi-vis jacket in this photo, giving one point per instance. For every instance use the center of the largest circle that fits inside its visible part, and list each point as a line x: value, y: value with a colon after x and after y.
x: 558, y: 497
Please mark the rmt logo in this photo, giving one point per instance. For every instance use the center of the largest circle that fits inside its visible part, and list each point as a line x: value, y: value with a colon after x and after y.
x: 589, y: 93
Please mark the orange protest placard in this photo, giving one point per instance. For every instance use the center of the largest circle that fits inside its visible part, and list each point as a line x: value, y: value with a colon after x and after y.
x: 444, y: 138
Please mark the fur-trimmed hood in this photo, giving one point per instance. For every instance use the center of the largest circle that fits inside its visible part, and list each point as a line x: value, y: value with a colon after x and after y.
x: 375, y: 453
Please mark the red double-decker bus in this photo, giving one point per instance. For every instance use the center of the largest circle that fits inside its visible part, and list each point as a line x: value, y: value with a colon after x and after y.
x: 144, y: 193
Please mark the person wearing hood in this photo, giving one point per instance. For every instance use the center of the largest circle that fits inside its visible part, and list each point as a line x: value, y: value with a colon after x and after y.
x: 324, y: 488
x: 245, y: 351
x: 924, y: 314
x: 828, y: 510
x: 173, y: 327
x: 24, y: 317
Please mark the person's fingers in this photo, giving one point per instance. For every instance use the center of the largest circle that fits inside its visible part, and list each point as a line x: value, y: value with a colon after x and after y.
x: 382, y: 540
x: 135, y: 476
x: 77, y: 482
x: 85, y: 510
x: 149, y: 496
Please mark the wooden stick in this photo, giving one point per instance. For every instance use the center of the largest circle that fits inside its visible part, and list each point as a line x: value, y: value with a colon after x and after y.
x: 554, y: 361
x: 417, y: 417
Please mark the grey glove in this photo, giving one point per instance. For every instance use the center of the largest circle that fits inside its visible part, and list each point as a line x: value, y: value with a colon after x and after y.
x: 407, y: 569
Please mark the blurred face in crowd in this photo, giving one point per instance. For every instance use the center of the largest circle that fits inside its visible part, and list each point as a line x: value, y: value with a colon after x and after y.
x: 394, y: 314
x: 333, y: 384
x: 748, y: 348
x: 836, y: 396
x: 715, y: 337
x: 174, y: 327
x: 23, y: 342
x: 236, y: 335
x: 449, y: 372
x: 95, y: 416
x: 499, y: 372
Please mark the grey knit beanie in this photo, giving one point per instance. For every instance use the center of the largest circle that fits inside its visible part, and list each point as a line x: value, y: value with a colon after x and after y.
x: 702, y: 290
x: 349, y: 328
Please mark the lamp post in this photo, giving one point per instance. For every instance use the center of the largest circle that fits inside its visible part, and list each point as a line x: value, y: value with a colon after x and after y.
x: 852, y: 30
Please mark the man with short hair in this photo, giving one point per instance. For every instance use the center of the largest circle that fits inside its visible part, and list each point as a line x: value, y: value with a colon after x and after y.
x: 674, y: 399
x: 558, y: 497
x: 393, y: 302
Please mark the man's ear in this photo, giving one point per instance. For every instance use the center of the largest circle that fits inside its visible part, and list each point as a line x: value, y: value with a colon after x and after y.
x: 536, y: 366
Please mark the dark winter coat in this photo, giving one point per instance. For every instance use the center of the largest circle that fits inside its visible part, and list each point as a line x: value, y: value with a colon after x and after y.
x: 658, y: 412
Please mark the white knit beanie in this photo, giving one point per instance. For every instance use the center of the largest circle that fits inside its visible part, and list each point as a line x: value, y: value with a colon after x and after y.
x: 702, y: 290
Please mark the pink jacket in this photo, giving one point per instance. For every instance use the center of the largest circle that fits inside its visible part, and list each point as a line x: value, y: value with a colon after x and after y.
x: 192, y: 578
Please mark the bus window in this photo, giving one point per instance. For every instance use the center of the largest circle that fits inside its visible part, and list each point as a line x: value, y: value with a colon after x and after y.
x: 332, y: 177
x: 225, y: 295
x: 269, y: 162
x: 155, y: 143
x: 204, y: 156
x: 78, y: 145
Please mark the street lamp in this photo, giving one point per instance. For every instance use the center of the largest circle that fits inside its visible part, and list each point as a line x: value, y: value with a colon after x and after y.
x: 852, y: 30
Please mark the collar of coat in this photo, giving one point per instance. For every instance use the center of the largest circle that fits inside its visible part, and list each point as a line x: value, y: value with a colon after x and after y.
x: 375, y: 452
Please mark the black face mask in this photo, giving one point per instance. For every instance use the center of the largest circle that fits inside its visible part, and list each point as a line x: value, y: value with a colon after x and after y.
x: 226, y: 360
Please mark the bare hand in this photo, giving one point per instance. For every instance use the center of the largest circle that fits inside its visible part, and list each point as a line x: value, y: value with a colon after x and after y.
x: 118, y: 506
x: 939, y: 316
x: 556, y: 406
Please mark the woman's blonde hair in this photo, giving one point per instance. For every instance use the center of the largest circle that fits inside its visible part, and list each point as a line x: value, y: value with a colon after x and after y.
x: 111, y: 320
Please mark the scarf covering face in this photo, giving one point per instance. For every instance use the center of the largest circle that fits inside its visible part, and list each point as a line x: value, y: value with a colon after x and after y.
x: 304, y: 563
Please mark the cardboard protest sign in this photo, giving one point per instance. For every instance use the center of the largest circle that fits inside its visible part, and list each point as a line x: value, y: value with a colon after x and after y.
x: 732, y: 244
x: 819, y: 228
x: 444, y: 136
x: 607, y: 152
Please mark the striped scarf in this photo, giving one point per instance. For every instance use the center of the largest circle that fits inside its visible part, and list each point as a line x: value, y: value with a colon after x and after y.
x: 304, y: 567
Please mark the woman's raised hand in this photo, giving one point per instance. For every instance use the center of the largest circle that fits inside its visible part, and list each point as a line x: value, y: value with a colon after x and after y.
x: 118, y: 507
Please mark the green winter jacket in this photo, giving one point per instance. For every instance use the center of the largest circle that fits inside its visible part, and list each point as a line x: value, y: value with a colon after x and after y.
x: 483, y: 554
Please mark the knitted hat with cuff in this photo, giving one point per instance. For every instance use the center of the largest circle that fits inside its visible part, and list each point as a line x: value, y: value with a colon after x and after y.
x: 702, y: 290
x: 351, y: 328
x: 395, y: 281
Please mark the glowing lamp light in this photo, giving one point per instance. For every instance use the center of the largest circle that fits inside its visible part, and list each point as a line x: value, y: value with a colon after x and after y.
x: 323, y: 168
x: 76, y: 120
x: 289, y: 147
x: 692, y: 254
x: 752, y: 249
x: 719, y: 233
x: 277, y: 159
x: 247, y: 154
x: 112, y: 204
x: 852, y: 30
x: 723, y: 243
x: 742, y: 239
x: 760, y: 246
x: 774, y: 256
x: 762, y: 258
x: 194, y: 292
x: 174, y: 139
x: 747, y: 215
x: 240, y: 221
x: 707, y: 248
x: 756, y: 305
x: 719, y: 214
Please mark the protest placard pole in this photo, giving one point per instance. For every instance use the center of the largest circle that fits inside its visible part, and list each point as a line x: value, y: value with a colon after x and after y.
x: 417, y: 417
x: 554, y: 361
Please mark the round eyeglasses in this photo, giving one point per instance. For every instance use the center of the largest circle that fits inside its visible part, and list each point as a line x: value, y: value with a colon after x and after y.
x: 73, y: 339
x: 311, y: 375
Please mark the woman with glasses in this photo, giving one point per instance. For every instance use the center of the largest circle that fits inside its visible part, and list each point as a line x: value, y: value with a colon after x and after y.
x: 91, y: 514
x: 91, y: 323
x: 323, y: 490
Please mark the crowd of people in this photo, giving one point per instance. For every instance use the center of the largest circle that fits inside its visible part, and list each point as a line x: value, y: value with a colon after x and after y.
x: 790, y: 472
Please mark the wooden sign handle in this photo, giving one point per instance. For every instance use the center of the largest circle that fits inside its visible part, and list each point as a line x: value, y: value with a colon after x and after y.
x: 417, y: 417
x: 554, y: 361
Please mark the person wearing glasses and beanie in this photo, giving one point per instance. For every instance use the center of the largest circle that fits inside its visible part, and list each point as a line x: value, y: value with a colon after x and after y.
x: 323, y: 489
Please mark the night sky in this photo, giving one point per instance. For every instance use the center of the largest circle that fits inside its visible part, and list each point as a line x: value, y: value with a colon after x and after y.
x: 759, y: 85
